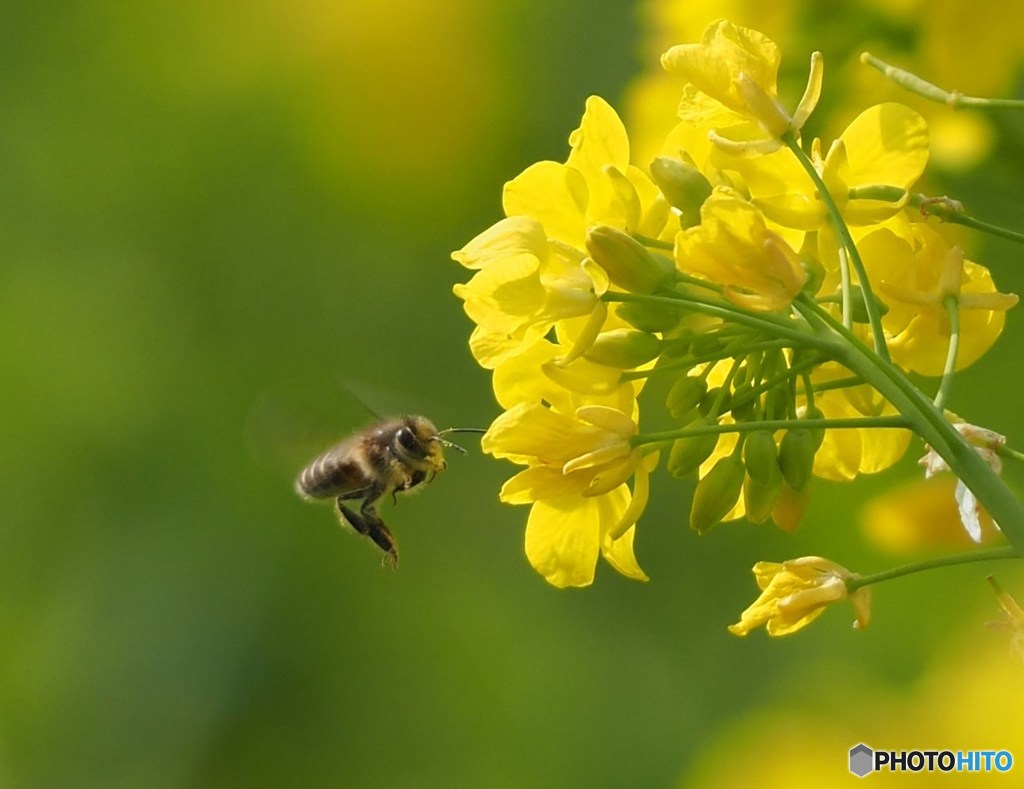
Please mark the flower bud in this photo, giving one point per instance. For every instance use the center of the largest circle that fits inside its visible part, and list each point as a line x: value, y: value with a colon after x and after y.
x: 759, y: 498
x: 790, y: 507
x: 761, y: 456
x: 685, y: 395
x: 708, y: 402
x: 818, y: 433
x: 649, y: 317
x: 626, y: 261
x: 742, y: 403
x: 716, y: 494
x: 815, y: 273
x: 858, y: 311
x: 683, y: 185
x: 623, y: 348
x: 678, y: 346
x: 706, y: 344
x: 796, y: 457
x: 777, y: 402
x: 688, y: 453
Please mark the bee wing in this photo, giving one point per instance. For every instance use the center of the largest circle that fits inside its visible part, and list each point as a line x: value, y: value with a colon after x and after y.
x: 285, y: 432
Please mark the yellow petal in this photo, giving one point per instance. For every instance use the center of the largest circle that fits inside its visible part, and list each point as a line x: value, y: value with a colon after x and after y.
x: 516, y: 379
x: 504, y: 295
x: 563, y: 536
x: 491, y: 349
x: 541, y: 482
x: 600, y: 140
x: 886, y: 144
x: 619, y: 554
x: 554, y: 195
x: 531, y: 430
x: 510, y: 237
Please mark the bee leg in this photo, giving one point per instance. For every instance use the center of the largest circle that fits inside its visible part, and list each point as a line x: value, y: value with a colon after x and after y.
x: 416, y: 478
x: 369, y: 524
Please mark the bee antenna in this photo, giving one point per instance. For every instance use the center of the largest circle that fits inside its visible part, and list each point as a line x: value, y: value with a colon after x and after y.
x: 462, y: 430
x: 452, y: 445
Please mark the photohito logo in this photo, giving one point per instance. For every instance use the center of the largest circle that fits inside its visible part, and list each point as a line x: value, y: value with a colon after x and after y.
x: 864, y: 760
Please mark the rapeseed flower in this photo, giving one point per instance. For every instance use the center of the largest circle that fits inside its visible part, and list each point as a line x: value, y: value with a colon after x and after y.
x: 796, y: 592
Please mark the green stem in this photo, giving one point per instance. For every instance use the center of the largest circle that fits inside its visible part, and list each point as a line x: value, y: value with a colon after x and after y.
x: 953, y: 309
x: 844, y: 283
x: 838, y: 383
x: 944, y: 208
x: 954, y: 99
x: 770, y: 383
x: 1003, y: 552
x: 808, y: 390
x: 931, y: 425
x: 773, y: 424
x: 870, y: 305
x: 767, y: 323
x: 692, y: 361
x: 1012, y: 454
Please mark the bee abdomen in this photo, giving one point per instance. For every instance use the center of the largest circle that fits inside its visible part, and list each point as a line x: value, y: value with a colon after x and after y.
x: 331, y: 474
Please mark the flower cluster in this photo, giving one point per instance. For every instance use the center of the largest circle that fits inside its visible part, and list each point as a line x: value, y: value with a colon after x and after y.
x: 764, y: 294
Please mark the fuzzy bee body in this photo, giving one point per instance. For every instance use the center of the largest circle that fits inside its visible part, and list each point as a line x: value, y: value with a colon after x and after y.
x: 384, y: 459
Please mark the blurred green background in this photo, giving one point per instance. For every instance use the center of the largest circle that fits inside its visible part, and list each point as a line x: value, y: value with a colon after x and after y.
x: 213, y: 218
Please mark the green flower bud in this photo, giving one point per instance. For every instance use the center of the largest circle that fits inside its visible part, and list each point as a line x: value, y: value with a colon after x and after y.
x: 685, y: 395
x: 708, y: 402
x: 688, y: 453
x: 858, y: 311
x: 760, y: 497
x: 677, y: 347
x: 777, y: 402
x: 764, y: 477
x: 818, y: 432
x: 649, y: 317
x: 704, y: 344
x: 626, y: 261
x: 683, y: 185
x: 815, y: 273
x: 761, y: 456
x: 623, y: 348
x: 716, y: 494
x: 742, y: 409
x: 796, y: 457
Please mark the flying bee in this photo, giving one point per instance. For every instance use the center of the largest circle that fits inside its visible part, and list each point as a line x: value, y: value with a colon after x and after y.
x: 384, y: 459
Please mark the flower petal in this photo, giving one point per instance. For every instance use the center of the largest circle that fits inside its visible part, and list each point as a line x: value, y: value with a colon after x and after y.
x: 554, y: 195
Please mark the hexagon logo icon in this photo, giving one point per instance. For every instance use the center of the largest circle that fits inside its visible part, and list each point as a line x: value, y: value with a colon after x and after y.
x: 862, y: 760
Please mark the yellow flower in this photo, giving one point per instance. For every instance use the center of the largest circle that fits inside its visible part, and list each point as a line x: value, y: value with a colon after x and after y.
x: 887, y: 144
x: 733, y: 247
x: 846, y: 453
x: 535, y: 375
x: 596, y: 185
x: 532, y: 268
x: 914, y: 277
x: 796, y: 592
x: 523, y: 284
x: 575, y: 480
x: 738, y: 68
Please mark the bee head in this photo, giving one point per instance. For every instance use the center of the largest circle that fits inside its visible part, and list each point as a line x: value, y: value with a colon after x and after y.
x: 417, y: 443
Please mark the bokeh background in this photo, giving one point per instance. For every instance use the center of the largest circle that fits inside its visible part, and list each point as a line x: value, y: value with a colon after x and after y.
x: 222, y: 226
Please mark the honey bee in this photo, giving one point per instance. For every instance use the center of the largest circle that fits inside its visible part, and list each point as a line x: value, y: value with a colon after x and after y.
x: 387, y: 458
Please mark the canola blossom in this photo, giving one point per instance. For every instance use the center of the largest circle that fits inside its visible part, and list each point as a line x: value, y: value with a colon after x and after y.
x: 795, y: 593
x: 779, y: 295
